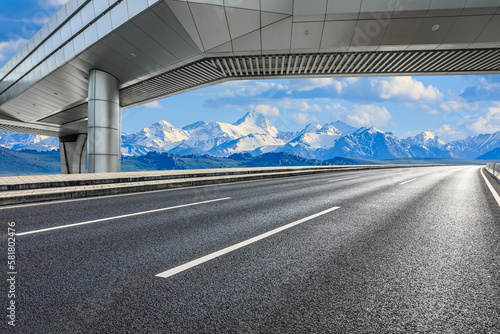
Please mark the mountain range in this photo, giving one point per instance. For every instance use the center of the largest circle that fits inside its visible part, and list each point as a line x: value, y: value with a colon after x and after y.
x: 256, y: 135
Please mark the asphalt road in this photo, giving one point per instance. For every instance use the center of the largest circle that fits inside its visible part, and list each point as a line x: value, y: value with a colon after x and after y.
x: 405, y: 250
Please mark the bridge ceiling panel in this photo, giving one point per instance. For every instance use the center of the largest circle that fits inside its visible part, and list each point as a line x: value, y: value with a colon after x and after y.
x: 465, y: 31
x: 426, y: 39
x: 368, y: 35
x: 242, y: 21
x: 343, y: 10
x: 248, y: 4
x: 248, y: 44
x: 165, y: 35
x: 446, y: 7
x: 400, y: 33
x: 283, y: 6
x: 267, y: 18
x: 181, y: 11
x: 211, y: 23
x: 174, y: 22
x: 275, y: 37
x: 139, y: 41
x: 70, y: 115
x: 208, y: 2
x: 306, y: 36
x: 337, y: 35
x: 489, y: 35
x: 311, y: 10
x: 376, y: 9
x: 411, y: 8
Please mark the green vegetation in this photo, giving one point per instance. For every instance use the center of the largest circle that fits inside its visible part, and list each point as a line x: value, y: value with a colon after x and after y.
x: 164, y: 161
x: 13, y: 163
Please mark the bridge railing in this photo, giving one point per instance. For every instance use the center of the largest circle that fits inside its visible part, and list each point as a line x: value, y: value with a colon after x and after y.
x: 494, y: 170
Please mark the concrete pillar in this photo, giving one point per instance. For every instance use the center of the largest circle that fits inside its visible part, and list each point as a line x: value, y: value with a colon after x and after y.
x: 73, y: 150
x: 104, y: 125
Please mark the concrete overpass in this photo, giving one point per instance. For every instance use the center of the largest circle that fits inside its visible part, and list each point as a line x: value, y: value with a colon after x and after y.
x: 94, y: 58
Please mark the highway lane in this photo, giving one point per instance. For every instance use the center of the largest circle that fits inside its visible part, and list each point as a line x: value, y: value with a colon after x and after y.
x: 407, y: 250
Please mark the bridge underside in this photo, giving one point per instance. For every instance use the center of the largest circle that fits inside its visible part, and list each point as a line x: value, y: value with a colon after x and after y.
x: 158, y: 48
x: 341, y: 64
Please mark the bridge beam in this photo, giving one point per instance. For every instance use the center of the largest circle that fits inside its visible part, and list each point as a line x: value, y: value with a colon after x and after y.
x: 104, y: 124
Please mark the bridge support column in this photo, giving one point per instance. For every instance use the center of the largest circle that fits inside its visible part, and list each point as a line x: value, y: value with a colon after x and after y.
x: 104, y: 125
x: 73, y: 150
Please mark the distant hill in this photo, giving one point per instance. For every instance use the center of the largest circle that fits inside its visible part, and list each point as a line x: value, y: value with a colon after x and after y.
x: 28, y: 162
x: 493, y: 154
x: 166, y: 161
x: 14, y: 163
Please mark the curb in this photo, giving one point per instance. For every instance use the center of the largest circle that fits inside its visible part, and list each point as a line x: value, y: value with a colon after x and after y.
x: 144, y: 185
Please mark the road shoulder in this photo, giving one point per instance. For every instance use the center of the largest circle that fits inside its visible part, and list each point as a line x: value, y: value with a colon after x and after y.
x: 494, y: 185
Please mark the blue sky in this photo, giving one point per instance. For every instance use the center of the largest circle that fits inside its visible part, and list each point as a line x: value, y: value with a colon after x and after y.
x: 453, y: 106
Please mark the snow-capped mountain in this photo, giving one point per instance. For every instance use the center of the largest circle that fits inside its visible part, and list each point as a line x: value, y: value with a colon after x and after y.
x: 160, y: 137
x: 427, y: 139
x: 321, y: 137
x: 368, y: 143
x: 309, y: 141
x: 256, y: 135
x: 343, y: 127
x: 22, y: 141
x: 427, y: 144
x: 248, y: 143
x: 472, y: 147
x: 216, y: 138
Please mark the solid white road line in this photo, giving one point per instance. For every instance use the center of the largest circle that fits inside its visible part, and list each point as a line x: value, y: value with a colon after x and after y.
x: 347, y: 178
x: 493, y: 191
x: 408, y: 181
x: 229, y: 249
x: 123, y: 216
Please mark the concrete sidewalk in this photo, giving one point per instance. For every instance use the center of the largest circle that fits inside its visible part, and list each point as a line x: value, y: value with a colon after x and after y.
x: 28, y: 189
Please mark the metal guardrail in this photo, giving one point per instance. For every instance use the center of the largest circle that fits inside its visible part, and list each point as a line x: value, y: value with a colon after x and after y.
x: 494, y: 170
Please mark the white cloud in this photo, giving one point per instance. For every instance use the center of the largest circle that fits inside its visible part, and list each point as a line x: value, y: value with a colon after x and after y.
x: 336, y: 107
x: 302, y: 105
x: 248, y: 88
x: 445, y: 130
x: 10, y: 47
x: 302, y: 118
x: 406, y: 88
x: 429, y: 110
x: 369, y: 115
x: 412, y: 133
x: 153, y: 105
x: 488, y: 123
x: 448, y: 134
x: 305, y: 85
x: 361, y: 115
x: 266, y: 109
x: 457, y: 105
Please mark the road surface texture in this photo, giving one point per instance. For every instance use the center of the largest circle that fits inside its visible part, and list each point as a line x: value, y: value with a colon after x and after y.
x: 387, y: 251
